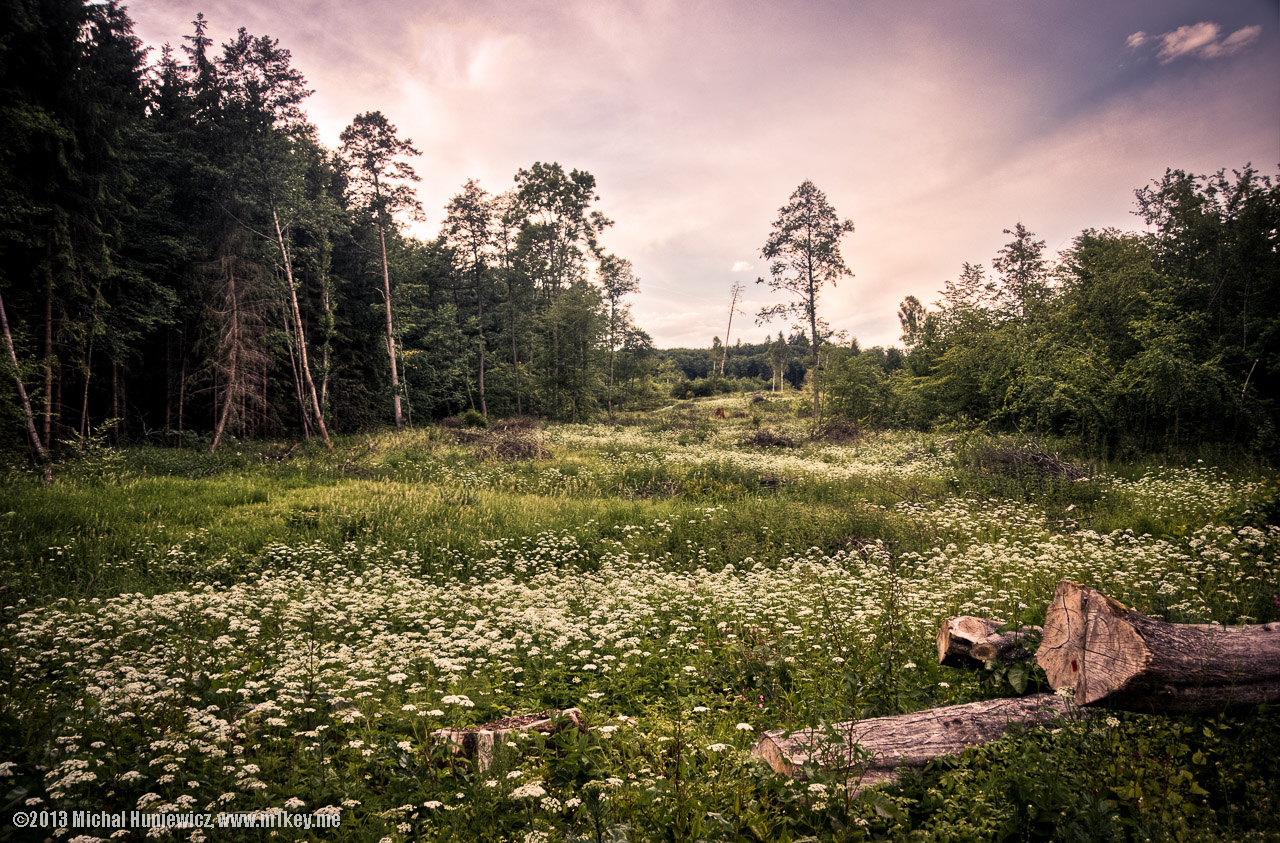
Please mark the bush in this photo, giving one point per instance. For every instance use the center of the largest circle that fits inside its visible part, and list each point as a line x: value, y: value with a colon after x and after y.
x: 471, y: 418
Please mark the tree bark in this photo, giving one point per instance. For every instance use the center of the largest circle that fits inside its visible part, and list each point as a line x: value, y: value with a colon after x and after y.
x: 304, y: 415
x: 328, y: 338
x: 42, y: 456
x: 386, y: 291
x: 478, y: 742
x: 48, y: 363
x: 475, y: 258
x: 300, y: 332
x: 873, y: 750
x: 1106, y: 653
x: 968, y: 642
x: 85, y: 427
x: 232, y: 373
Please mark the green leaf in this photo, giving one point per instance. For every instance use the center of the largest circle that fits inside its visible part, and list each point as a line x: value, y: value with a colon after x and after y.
x: 1018, y: 677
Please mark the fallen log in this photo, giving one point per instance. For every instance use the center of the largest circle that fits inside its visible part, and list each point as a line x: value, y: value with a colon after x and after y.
x: 1106, y: 653
x: 968, y: 642
x: 872, y: 750
x: 478, y: 742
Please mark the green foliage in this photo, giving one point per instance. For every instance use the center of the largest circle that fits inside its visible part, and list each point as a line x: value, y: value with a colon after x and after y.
x: 857, y: 387
x: 472, y: 418
x: 1145, y: 341
x: 803, y: 252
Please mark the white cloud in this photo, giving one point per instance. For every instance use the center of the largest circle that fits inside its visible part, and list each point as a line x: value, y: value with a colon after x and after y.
x: 1234, y: 43
x: 1202, y: 40
x: 741, y: 266
x: 1136, y: 40
x: 1187, y: 40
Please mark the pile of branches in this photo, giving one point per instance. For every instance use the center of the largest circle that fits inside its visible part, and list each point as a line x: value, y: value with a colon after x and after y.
x: 512, y: 441
x: 766, y: 438
x: 840, y: 431
x: 1020, y: 462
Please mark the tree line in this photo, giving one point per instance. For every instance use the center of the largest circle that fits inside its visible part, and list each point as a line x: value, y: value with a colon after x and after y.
x: 1128, y: 341
x: 182, y: 259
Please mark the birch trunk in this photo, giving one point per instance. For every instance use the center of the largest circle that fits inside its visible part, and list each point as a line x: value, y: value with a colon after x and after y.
x: 42, y: 456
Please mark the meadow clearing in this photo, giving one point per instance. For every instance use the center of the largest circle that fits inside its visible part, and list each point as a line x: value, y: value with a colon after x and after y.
x: 280, y: 628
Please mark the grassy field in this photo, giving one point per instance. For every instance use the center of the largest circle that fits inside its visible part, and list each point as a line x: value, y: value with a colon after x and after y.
x: 282, y: 627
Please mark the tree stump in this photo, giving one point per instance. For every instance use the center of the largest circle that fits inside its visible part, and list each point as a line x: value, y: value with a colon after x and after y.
x: 968, y: 642
x: 478, y: 742
x: 872, y: 750
x: 1107, y: 653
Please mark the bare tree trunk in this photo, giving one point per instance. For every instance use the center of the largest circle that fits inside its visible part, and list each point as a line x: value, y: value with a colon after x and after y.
x: 232, y: 374
x: 813, y: 332
x: 303, y: 415
x: 182, y: 389
x: 871, y: 751
x: 115, y: 401
x: 297, y: 326
x: 168, y: 380
x: 328, y: 336
x: 42, y: 456
x: 84, y: 400
x: 733, y: 305
x: 515, y: 350
x: 613, y: 347
x: 386, y: 291
x: 484, y: 407
x: 48, y: 363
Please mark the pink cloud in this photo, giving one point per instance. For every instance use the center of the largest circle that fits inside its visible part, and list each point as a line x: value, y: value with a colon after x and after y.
x: 1202, y: 40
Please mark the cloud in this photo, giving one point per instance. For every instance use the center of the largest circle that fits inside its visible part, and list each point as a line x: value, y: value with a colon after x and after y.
x: 1234, y: 43
x: 1200, y: 40
x: 741, y: 266
x: 1136, y: 40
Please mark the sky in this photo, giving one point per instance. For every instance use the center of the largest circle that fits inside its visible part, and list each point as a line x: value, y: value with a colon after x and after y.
x: 934, y: 125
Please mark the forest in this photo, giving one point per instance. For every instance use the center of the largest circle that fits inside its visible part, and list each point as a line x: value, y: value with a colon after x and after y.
x: 183, y: 258
x: 183, y: 261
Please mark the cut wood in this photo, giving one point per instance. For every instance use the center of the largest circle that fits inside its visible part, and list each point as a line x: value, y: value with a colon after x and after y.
x: 872, y: 750
x: 478, y: 741
x: 1107, y: 653
x: 968, y: 642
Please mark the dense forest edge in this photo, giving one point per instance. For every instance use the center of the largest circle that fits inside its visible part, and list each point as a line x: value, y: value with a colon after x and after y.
x: 183, y: 262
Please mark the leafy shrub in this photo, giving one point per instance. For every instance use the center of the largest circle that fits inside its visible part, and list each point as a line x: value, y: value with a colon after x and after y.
x: 472, y: 418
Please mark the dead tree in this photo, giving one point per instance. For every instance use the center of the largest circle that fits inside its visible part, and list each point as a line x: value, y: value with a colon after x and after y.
x: 872, y: 750
x: 1108, y: 654
x: 478, y: 742
x: 968, y: 642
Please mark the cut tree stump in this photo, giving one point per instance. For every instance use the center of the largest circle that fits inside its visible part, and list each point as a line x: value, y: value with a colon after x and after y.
x: 1108, y: 654
x: 478, y: 741
x: 968, y: 642
x: 905, y: 740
